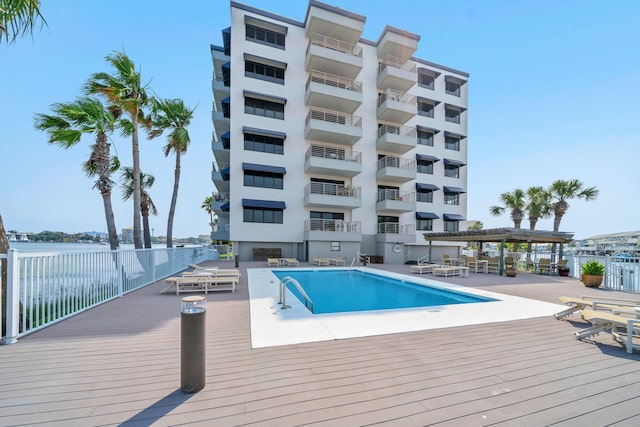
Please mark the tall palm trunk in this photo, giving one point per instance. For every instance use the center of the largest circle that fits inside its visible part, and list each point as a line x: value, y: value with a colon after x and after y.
x: 137, y: 231
x: 145, y: 222
x: 101, y: 160
x: 174, y: 199
x: 4, y: 249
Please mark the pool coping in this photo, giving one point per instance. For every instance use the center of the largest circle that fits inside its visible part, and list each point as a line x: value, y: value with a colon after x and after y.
x: 272, y: 326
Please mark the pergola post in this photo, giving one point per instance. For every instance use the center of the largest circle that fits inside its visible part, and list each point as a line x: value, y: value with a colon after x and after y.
x: 501, y: 261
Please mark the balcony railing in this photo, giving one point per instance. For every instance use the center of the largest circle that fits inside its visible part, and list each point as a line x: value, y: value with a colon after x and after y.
x: 335, y: 44
x: 334, y: 117
x: 220, y: 197
x: 396, y: 162
x: 396, y: 228
x: 334, y: 81
x: 333, y: 153
x: 402, y: 196
x: 394, y: 95
x: 397, y: 130
x: 332, y: 189
x: 333, y: 225
x: 393, y: 61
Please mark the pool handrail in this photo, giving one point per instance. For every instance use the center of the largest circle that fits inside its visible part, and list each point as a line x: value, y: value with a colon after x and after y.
x: 359, y: 256
x: 283, y: 283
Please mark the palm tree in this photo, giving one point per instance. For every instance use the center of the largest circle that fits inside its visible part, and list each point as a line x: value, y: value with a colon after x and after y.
x: 172, y: 115
x: 146, y: 204
x: 562, y: 191
x: 515, y: 202
x: 206, y: 205
x: 538, y: 205
x: 18, y: 17
x: 124, y: 91
x: 66, y: 127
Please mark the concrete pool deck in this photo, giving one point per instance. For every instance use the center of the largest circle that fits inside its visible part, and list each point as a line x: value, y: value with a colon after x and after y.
x: 272, y: 326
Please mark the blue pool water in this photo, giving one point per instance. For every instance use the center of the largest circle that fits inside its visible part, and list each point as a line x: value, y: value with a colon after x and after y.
x: 336, y: 291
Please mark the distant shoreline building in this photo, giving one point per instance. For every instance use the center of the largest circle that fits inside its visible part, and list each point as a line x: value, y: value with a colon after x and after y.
x: 611, y: 244
x: 327, y: 144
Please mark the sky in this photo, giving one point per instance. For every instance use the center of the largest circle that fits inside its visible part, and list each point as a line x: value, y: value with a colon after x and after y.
x: 553, y: 94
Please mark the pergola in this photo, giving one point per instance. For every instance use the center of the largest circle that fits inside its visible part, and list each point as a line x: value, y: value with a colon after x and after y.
x: 501, y: 235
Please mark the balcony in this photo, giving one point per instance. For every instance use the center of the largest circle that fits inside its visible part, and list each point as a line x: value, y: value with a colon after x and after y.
x: 398, y: 43
x: 220, y: 176
x: 396, y: 138
x: 396, y: 169
x: 395, y: 201
x: 332, y: 230
x: 220, y: 89
x: 333, y: 126
x: 321, y: 194
x: 222, y: 233
x: 220, y: 202
x: 332, y: 161
x: 392, y: 232
x: 329, y: 55
x: 396, y: 107
x: 333, y: 92
x: 220, y: 148
x: 325, y: 19
x: 394, y: 74
x: 220, y: 122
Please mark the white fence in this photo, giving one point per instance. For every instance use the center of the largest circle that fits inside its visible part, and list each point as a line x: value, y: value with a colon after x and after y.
x: 45, y: 288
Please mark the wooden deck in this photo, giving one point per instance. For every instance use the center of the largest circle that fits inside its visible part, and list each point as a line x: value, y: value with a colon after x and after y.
x: 119, y: 364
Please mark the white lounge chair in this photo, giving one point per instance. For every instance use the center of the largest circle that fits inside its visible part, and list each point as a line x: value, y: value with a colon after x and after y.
x: 320, y: 261
x: 595, y: 303
x: 336, y: 261
x: 601, y: 321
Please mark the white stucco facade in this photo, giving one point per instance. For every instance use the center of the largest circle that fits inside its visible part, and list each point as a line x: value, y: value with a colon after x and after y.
x: 354, y: 118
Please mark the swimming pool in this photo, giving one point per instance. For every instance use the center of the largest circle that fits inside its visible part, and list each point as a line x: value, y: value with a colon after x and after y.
x: 339, y: 291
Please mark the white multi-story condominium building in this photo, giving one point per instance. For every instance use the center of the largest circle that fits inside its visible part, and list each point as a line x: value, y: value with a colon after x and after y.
x: 327, y: 144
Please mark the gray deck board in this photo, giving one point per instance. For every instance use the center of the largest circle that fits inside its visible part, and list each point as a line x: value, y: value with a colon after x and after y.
x: 119, y: 363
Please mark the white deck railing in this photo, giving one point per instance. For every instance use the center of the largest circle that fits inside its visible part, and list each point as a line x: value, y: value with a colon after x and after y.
x: 335, y: 44
x: 334, y: 81
x: 334, y: 117
x: 334, y: 153
x: 45, y: 288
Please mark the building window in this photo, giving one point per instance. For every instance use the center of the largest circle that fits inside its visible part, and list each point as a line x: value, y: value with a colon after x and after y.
x: 262, y: 35
x: 263, y: 179
x: 425, y: 166
x: 335, y: 246
x: 260, y: 71
x: 263, y: 143
x: 452, y: 171
x: 451, y: 143
x: 425, y: 137
x: 262, y: 107
x: 451, y: 225
x: 424, y: 196
x: 263, y: 215
x: 451, y: 198
x: 424, y: 224
x: 426, y: 80
x: 426, y: 108
x: 452, y: 115
x: 452, y: 88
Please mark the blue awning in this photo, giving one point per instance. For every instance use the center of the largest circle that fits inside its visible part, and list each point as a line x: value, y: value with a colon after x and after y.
x: 226, y: 100
x: 264, y: 168
x: 426, y: 129
x: 226, y: 65
x: 455, y: 135
x: 427, y: 157
x: 426, y: 215
x: 225, y: 136
x: 452, y: 189
x: 453, y: 217
x: 426, y: 187
x: 224, y: 207
x: 265, y: 132
x: 268, y: 204
x: 264, y: 96
x: 454, y: 162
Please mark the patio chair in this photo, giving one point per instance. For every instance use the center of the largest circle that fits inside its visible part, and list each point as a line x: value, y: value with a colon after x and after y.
x: 336, y: 261
x: 597, y: 304
x: 509, y: 262
x: 320, y: 261
x: 446, y: 260
x: 544, y: 266
x: 623, y: 329
x: 273, y: 262
x: 423, y: 268
x: 494, y: 265
x: 292, y: 262
x: 472, y: 262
